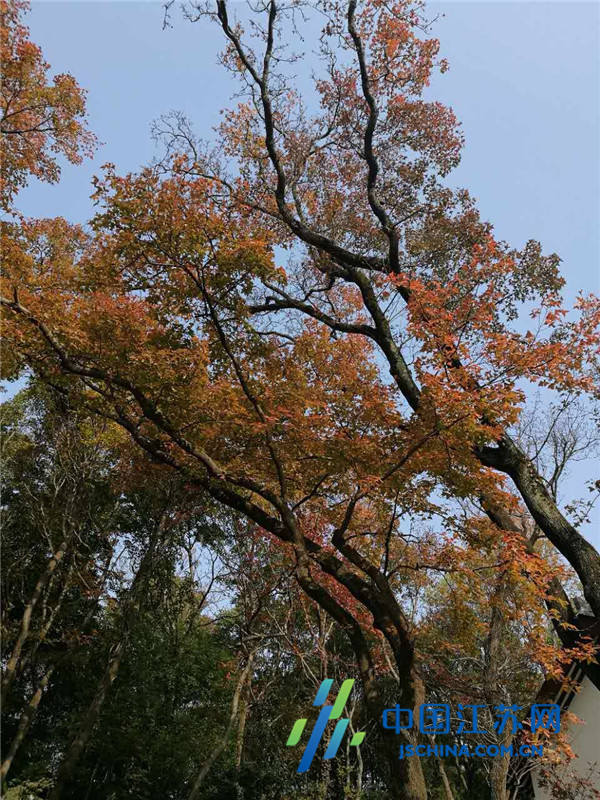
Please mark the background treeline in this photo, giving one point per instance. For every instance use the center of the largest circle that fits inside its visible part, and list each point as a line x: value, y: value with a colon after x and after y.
x: 155, y: 647
x: 148, y: 631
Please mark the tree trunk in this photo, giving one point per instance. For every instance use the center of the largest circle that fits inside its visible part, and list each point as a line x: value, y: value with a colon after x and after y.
x: 131, y: 605
x: 222, y: 743
x: 406, y: 775
x: 27, y: 717
x: 412, y: 696
x: 12, y: 666
x: 493, y: 690
x: 239, y: 742
x: 359, y: 771
x: 580, y: 554
x: 443, y: 775
x: 71, y: 757
x: 41, y: 635
x: 30, y: 711
x: 499, y: 770
x: 406, y: 779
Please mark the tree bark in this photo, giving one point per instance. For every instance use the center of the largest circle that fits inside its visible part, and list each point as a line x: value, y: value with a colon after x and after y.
x: 130, y: 607
x: 580, y: 554
x: 499, y: 770
x: 444, y: 777
x: 405, y: 775
x: 222, y: 743
x: 71, y: 757
x: 493, y: 689
x: 27, y: 717
x: 41, y: 635
x: 12, y: 667
x: 240, y: 738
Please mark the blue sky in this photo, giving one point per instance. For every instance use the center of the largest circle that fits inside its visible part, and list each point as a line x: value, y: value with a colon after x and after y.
x: 524, y: 79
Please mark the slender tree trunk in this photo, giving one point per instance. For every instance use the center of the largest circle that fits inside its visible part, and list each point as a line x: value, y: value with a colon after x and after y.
x: 91, y: 783
x: 76, y: 747
x: 359, y: 761
x: 12, y: 667
x: 30, y: 711
x: 222, y: 743
x: 131, y: 606
x: 461, y: 773
x: 493, y: 690
x: 240, y: 738
x: 359, y: 771
x: 41, y: 636
x: 27, y: 717
x: 444, y: 777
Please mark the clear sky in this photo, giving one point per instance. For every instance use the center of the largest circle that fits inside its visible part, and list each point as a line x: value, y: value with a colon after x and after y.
x: 524, y: 79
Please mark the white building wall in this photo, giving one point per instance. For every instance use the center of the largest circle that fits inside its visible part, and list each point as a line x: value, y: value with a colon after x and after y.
x: 584, y: 738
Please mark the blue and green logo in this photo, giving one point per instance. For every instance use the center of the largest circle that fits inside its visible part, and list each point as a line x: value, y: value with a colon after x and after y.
x: 326, y: 713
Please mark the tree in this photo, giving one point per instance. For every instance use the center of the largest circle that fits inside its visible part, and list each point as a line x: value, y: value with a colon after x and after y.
x: 71, y: 630
x: 39, y: 119
x: 58, y: 513
x: 403, y: 232
x: 266, y: 388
